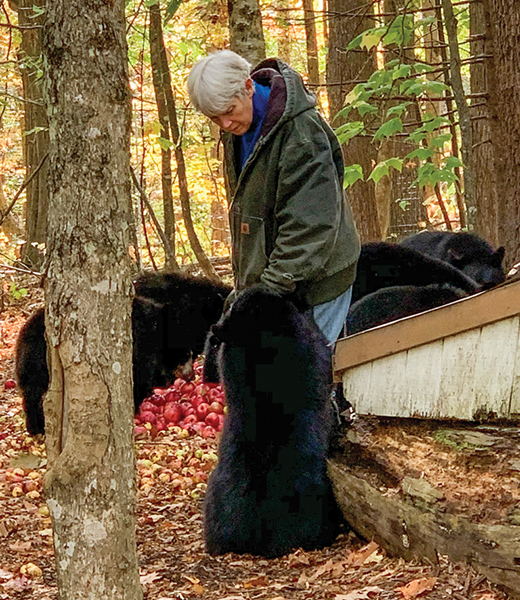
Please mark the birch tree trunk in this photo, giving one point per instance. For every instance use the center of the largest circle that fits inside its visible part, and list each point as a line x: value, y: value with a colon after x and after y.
x: 90, y: 482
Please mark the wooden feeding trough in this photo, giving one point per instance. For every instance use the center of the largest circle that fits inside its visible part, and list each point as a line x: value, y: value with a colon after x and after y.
x: 445, y: 480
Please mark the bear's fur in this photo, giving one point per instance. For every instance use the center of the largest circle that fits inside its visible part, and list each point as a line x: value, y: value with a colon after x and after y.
x: 171, y: 316
x: 270, y: 492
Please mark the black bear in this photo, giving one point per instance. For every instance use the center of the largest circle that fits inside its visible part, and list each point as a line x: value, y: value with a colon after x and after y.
x: 466, y: 251
x: 385, y: 265
x: 391, y: 303
x: 171, y: 316
x: 269, y: 492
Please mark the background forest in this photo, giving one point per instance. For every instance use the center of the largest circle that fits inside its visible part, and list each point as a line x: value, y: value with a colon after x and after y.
x: 424, y: 97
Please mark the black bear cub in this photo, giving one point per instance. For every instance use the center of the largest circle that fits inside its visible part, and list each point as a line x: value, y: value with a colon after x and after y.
x: 392, y: 303
x: 171, y: 316
x: 269, y: 492
x: 465, y: 251
x: 382, y: 264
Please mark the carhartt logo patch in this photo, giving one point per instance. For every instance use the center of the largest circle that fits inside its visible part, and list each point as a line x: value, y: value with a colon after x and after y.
x: 244, y: 228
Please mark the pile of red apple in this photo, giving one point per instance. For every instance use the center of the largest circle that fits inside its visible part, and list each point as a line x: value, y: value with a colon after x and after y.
x: 193, y: 406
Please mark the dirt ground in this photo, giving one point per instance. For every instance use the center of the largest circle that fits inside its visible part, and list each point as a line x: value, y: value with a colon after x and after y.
x: 172, y: 470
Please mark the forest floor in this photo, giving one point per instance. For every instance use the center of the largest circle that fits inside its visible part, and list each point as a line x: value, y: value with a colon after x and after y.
x: 171, y: 482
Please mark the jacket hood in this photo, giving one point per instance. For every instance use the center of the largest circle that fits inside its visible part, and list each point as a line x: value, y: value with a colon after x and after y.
x: 289, y: 97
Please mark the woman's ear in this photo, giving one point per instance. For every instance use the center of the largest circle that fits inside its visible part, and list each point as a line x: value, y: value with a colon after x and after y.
x: 249, y: 87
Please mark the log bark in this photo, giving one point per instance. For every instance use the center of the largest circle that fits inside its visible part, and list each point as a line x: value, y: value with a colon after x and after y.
x: 412, y: 486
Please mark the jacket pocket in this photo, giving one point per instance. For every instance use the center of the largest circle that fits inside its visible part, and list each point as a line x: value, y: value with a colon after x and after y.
x: 250, y: 256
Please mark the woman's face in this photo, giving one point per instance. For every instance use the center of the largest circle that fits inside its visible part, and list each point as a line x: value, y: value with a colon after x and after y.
x: 238, y: 117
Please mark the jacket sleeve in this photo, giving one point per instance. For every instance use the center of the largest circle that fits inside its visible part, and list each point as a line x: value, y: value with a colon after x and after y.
x: 308, y: 206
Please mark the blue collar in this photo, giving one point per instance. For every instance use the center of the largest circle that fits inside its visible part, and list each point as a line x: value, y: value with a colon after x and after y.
x: 252, y: 135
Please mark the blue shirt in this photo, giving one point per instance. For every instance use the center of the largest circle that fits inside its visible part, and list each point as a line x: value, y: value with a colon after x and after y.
x: 251, y: 136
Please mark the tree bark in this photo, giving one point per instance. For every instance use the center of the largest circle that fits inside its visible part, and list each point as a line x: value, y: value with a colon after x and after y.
x: 90, y: 482
x: 312, y: 47
x: 174, y: 131
x: 486, y: 199
x: 36, y: 138
x: 354, y: 66
x: 157, y: 49
x: 466, y: 133
x: 503, y: 18
x: 246, y: 35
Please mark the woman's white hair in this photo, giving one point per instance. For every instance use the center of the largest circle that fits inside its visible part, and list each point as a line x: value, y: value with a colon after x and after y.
x: 216, y: 80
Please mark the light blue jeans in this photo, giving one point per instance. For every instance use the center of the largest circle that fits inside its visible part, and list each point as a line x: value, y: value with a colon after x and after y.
x: 331, y: 316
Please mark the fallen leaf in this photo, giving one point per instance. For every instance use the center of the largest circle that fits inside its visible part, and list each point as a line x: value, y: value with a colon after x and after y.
x: 356, y: 559
x: 19, y: 584
x: 20, y: 546
x: 417, y: 587
x: 4, y: 532
x: 328, y: 566
x: 261, y: 581
x: 198, y: 589
x: 298, y: 558
x: 45, y: 532
x: 149, y: 577
x: 363, y: 594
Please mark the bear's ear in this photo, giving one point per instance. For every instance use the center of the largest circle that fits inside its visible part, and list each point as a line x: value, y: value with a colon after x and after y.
x: 498, y: 256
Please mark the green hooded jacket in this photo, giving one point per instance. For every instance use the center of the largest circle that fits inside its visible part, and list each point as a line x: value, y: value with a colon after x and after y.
x: 291, y: 226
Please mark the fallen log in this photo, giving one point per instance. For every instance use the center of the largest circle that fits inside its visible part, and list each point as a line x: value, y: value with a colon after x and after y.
x: 421, y: 489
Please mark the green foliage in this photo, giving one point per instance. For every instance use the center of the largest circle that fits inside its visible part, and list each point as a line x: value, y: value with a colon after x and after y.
x: 379, y: 107
x: 16, y: 292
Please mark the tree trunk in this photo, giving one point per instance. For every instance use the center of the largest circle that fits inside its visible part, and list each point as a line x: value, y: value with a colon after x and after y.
x: 90, y: 482
x: 36, y: 138
x: 342, y: 70
x: 312, y: 47
x: 171, y: 119
x: 245, y: 30
x: 503, y: 17
x: 157, y: 60
x: 486, y: 198
x: 466, y: 133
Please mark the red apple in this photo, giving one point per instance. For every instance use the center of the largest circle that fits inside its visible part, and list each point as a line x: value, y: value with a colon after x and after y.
x: 188, y: 422
x: 221, y: 419
x: 188, y: 388
x: 196, y: 400
x: 215, y: 395
x: 199, y: 426
x: 202, y: 389
x: 186, y: 408
x: 140, y: 431
x: 172, y: 396
x: 158, y: 399
x: 201, y: 411
x: 208, y: 432
x: 172, y: 413
x: 212, y: 420
x: 148, y: 417
x: 178, y: 383
x: 146, y: 406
